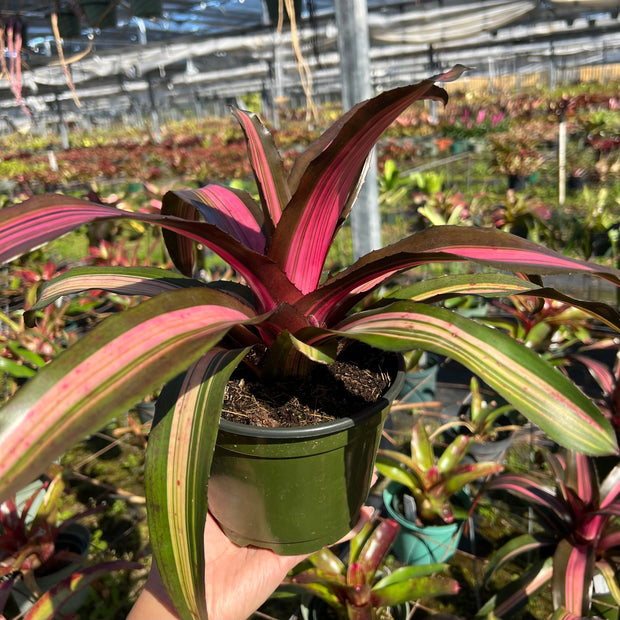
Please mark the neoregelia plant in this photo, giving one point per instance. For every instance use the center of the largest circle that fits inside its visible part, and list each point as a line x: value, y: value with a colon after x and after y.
x: 285, y: 306
x: 579, y: 533
x: 356, y: 589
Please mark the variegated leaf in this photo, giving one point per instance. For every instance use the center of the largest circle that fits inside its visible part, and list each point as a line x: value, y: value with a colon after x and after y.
x: 267, y: 167
x: 488, y: 246
x: 326, y: 178
x: 484, y: 284
x: 49, y: 605
x: 516, y: 594
x: 178, y: 464
x: 573, y: 571
x: 524, y: 379
x: 30, y: 224
x: 123, y: 359
x: 147, y: 281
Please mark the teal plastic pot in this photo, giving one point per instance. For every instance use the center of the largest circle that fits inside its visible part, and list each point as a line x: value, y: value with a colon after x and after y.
x: 417, y: 545
x: 295, y: 490
x: 420, y: 385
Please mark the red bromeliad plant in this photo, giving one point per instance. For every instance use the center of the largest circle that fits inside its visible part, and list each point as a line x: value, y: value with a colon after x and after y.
x: 580, y: 533
x: 32, y: 546
x: 357, y: 590
x: 285, y: 307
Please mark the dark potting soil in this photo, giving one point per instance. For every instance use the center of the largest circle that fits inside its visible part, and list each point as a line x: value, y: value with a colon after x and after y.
x: 357, y: 379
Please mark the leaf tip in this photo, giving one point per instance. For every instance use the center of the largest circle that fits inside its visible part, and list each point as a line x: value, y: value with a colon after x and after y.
x: 452, y: 74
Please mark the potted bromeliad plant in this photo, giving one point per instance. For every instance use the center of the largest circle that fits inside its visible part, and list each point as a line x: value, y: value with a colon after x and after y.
x: 43, y: 558
x: 427, y: 494
x: 282, y: 322
x: 577, y: 536
x: 486, y: 421
x: 361, y: 587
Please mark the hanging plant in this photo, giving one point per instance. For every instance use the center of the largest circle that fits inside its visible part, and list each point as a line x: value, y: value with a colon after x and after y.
x: 12, y: 35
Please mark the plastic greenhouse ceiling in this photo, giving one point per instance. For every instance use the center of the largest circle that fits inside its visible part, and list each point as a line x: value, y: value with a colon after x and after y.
x: 134, y: 50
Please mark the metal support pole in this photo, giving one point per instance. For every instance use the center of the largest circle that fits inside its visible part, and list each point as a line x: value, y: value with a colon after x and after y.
x: 154, y: 112
x: 62, y: 126
x: 562, y: 161
x: 354, y: 47
x: 278, y: 88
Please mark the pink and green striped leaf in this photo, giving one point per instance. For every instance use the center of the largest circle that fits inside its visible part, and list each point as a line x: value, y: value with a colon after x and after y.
x: 30, y: 224
x: 535, y: 492
x: 232, y: 211
x: 144, y: 281
x: 599, y: 370
x: 444, y: 287
x: 536, y: 389
x: 267, y: 167
x: 491, y: 247
x: 610, y: 487
x: 573, y: 571
x: 490, y: 285
x: 582, y: 477
x: 50, y: 604
x: 324, y: 140
x: 516, y: 594
x: 327, y: 181
x: 178, y: 464
x: 608, y: 572
x: 123, y: 359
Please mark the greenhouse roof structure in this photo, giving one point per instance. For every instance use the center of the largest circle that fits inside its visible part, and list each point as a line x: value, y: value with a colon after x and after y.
x: 213, y: 49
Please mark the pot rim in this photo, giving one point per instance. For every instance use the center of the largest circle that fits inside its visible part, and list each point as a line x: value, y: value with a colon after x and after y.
x: 324, y: 428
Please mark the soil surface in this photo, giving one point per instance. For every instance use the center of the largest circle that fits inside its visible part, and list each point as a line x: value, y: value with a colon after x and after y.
x: 358, y: 378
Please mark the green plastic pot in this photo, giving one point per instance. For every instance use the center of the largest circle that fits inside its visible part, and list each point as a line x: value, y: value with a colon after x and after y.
x: 420, y: 545
x: 295, y: 490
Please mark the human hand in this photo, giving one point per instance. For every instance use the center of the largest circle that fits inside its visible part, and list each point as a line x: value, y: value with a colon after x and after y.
x: 238, y: 580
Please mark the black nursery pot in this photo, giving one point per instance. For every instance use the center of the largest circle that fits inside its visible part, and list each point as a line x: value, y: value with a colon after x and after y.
x: 295, y: 490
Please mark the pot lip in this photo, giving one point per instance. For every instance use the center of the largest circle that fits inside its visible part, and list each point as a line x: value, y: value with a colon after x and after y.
x: 325, y: 428
x: 392, y: 489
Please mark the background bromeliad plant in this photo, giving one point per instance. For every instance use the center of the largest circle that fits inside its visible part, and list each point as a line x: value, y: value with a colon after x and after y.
x: 285, y: 309
x: 37, y: 547
x: 361, y: 589
x: 433, y: 481
x: 579, y: 534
